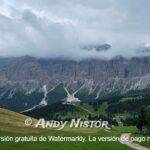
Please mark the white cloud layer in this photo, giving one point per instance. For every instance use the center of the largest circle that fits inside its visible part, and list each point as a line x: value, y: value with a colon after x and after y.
x: 57, y: 28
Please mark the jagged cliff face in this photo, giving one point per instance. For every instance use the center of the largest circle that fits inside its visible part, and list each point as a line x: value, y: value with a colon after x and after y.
x: 22, y: 79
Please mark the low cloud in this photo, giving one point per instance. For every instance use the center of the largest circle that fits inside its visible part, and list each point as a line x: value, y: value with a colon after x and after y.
x: 58, y: 28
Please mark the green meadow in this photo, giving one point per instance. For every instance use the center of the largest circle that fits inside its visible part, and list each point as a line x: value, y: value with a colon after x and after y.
x: 12, y: 125
x: 62, y: 145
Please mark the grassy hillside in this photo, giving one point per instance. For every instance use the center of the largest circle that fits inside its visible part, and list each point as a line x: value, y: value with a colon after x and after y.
x: 12, y: 124
x: 12, y: 121
x: 57, y: 94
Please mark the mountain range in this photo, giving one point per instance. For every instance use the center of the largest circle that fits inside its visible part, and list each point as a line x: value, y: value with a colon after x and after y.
x: 27, y: 82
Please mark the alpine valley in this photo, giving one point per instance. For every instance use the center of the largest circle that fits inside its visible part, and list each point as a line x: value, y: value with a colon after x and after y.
x: 64, y: 89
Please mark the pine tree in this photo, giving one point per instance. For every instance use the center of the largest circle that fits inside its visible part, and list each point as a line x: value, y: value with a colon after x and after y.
x: 142, y: 118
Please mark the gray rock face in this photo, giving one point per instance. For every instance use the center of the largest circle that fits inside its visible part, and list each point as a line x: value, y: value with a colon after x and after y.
x: 47, y: 71
x: 98, y: 48
x: 28, y: 75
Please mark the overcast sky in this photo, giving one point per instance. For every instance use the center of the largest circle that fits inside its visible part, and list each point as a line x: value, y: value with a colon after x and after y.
x: 57, y: 28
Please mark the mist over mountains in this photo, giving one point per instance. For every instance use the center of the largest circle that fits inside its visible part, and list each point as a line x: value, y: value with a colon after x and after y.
x: 59, y: 29
x: 51, y: 51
